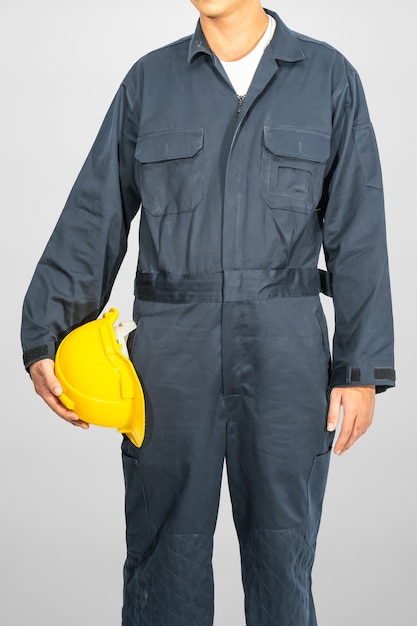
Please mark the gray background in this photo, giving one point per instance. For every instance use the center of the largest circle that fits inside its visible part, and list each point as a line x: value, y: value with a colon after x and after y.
x: 62, y: 529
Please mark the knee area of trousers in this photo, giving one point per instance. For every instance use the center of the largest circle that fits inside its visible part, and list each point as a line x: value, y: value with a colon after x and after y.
x: 174, y: 584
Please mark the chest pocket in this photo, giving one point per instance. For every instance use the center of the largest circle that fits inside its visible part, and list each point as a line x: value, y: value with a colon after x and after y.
x: 170, y: 171
x: 293, y: 164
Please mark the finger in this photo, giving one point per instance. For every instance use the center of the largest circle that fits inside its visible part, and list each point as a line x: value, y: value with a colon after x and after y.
x: 60, y: 409
x: 49, y: 388
x: 358, y: 409
x: 333, y: 414
x: 353, y: 432
x: 346, y: 436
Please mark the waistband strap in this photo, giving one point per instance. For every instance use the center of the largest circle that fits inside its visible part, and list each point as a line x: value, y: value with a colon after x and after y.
x: 231, y: 285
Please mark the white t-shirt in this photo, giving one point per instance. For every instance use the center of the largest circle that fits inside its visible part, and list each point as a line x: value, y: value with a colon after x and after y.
x: 241, y: 72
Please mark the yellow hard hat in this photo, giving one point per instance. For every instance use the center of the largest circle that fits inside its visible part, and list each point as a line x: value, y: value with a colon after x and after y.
x: 99, y: 381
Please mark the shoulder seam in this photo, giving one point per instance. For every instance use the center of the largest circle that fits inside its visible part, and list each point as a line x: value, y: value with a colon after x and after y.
x: 178, y: 42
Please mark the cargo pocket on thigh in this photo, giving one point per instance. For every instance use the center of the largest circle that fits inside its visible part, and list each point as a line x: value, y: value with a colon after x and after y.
x: 315, y: 494
x: 138, y: 531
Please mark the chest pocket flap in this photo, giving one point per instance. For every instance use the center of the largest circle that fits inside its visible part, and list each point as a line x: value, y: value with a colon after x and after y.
x: 297, y: 143
x: 167, y: 145
x: 170, y: 170
x: 293, y: 164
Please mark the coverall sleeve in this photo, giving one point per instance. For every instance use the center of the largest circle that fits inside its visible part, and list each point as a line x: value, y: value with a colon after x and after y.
x: 74, y: 277
x: 356, y: 251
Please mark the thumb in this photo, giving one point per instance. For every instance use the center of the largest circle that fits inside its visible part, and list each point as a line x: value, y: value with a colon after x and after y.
x: 43, y: 376
x: 53, y: 383
x: 55, y: 387
x: 333, y: 414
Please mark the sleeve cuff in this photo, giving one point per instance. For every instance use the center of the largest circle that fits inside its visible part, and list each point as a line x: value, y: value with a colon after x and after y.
x: 348, y: 375
x: 38, y: 353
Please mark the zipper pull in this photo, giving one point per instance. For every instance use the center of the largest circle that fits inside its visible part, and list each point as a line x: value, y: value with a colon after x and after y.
x: 240, y: 100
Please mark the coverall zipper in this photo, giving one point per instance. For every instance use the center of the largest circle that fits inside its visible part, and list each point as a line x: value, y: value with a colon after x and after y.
x: 240, y: 100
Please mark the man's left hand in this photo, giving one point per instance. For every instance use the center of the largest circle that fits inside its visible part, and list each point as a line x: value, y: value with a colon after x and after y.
x: 358, y: 405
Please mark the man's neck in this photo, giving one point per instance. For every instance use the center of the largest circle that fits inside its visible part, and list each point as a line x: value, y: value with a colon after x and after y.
x: 234, y: 36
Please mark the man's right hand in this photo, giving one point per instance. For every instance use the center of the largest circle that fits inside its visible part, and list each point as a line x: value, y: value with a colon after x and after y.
x: 49, y: 388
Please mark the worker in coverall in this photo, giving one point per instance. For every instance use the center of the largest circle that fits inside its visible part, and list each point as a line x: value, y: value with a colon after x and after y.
x: 248, y: 147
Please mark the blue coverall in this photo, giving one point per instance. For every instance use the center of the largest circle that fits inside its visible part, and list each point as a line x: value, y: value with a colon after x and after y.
x: 231, y: 346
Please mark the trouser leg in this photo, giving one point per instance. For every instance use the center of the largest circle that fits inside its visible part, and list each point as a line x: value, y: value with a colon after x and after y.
x: 277, y: 560
x: 173, y: 481
x: 168, y: 576
x: 278, y: 452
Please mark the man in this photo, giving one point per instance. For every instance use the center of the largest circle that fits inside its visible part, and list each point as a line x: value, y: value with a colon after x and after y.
x: 249, y: 147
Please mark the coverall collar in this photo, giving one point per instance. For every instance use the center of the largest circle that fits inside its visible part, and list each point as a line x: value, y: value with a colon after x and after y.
x: 284, y: 43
